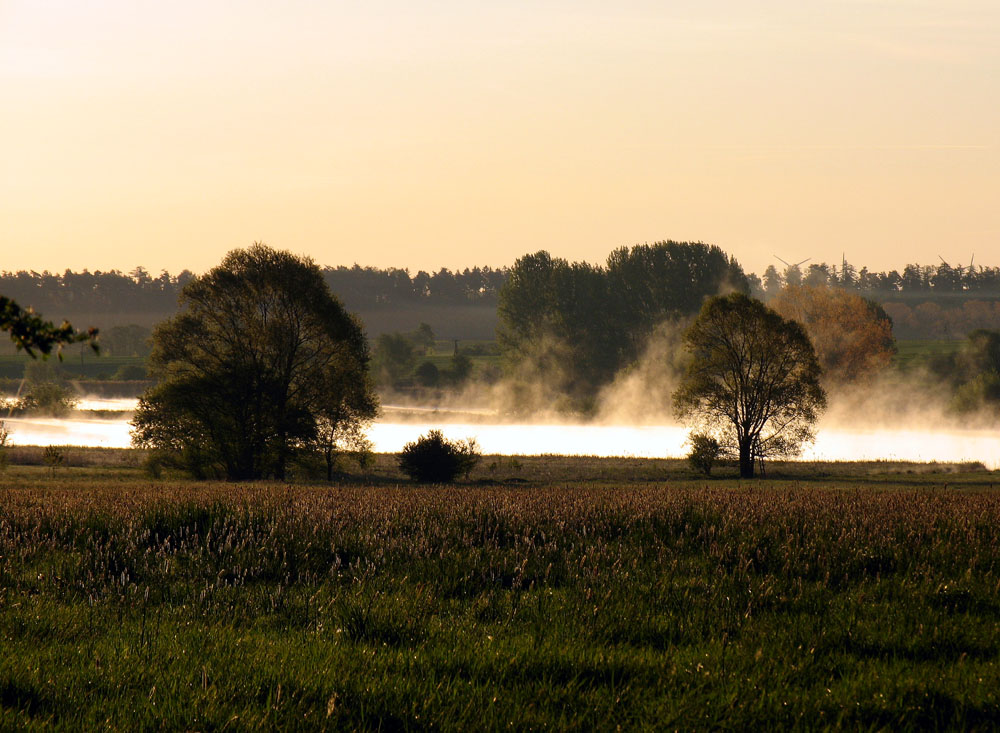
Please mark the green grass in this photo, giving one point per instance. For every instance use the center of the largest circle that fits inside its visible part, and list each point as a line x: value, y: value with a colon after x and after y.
x: 76, y: 366
x: 863, y: 599
x: 912, y: 354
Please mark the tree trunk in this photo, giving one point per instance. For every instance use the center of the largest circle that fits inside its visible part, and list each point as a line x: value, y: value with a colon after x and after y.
x: 746, y: 458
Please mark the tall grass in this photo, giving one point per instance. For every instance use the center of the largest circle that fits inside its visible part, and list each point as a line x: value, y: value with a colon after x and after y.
x: 178, y: 605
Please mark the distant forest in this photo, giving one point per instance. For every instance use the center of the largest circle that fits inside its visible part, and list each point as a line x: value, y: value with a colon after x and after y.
x: 925, y: 301
x: 138, y: 291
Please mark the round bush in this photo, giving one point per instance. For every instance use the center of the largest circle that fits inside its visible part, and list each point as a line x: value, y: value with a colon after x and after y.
x: 432, y: 458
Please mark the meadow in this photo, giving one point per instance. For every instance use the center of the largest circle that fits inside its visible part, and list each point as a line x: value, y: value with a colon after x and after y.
x: 547, y: 593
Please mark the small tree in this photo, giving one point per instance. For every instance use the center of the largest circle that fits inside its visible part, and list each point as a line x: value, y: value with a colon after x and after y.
x: 705, y: 451
x: 53, y: 458
x: 459, y: 370
x: 48, y: 390
x: 752, y: 374
x: 428, y: 375
x: 394, y: 358
x: 432, y: 458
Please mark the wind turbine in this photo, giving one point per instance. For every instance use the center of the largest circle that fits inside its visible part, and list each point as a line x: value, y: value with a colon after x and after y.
x: 786, y: 264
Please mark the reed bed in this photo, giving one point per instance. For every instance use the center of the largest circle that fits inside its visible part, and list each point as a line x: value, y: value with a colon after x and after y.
x: 148, y: 605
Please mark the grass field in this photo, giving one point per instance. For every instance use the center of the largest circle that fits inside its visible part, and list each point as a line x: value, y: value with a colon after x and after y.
x: 565, y: 594
x: 914, y: 354
x: 90, y: 366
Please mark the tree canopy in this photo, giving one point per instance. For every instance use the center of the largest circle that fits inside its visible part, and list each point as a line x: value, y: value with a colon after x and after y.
x: 753, y: 378
x: 852, y: 336
x: 261, y: 363
x: 575, y: 325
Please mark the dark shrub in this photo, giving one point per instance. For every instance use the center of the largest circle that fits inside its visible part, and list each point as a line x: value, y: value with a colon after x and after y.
x: 705, y: 451
x: 428, y: 375
x: 432, y: 458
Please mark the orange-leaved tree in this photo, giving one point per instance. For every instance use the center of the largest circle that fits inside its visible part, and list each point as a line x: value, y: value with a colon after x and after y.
x: 852, y: 336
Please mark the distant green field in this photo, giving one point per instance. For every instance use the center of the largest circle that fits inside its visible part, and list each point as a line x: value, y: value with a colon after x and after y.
x: 916, y: 353
x: 76, y: 366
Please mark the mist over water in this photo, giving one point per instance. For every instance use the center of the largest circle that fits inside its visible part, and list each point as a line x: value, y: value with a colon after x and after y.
x: 402, y: 424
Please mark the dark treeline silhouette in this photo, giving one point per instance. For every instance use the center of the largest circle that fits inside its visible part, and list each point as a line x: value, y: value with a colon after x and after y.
x: 925, y: 301
x: 367, y: 287
x: 917, y: 282
x: 138, y: 291
x: 94, y: 292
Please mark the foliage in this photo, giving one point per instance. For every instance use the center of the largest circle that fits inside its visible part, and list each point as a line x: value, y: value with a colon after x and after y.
x: 552, y: 326
x: 32, y: 333
x: 260, y: 358
x: 131, y: 373
x: 432, y: 458
x: 705, y: 451
x: 131, y: 340
x: 652, y: 283
x: 852, y: 336
x: 567, y: 607
x: 752, y: 374
x: 394, y: 358
x: 427, y: 374
x: 4, y: 443
x: 47, y: 390
x: 423, y: 338
x: 574, y: 326
x: 975, y: 372
x: 53, y: 457
x: 459, y: 370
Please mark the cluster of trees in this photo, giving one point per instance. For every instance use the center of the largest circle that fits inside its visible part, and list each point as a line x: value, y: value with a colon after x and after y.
x: 973, y: 372
x: 852, y: 336
x: 915, y: 280
x: 138, y: 291
x: 926, y: 301
x: 396, y: 356
x: 95, y: 292
x: 46, y: 390
x: 368, y: 287
x: 575, y: 324
x: 371, y: 289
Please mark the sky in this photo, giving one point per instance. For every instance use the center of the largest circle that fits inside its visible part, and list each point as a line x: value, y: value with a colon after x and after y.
x: 455, y: 133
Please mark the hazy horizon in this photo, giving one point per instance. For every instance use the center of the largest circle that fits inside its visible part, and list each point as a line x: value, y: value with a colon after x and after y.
x: 462, y: 134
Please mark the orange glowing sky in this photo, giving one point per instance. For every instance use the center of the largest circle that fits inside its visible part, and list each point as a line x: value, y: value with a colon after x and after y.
x: 455, y: 132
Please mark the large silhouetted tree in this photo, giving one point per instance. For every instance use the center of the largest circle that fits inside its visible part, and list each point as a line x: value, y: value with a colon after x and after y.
x: 261, y: 358
x: 753, y: 378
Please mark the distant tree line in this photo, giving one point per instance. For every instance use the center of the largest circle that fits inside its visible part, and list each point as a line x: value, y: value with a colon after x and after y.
x: 139, y: 291
x: 922, y: 282
x: 94, y: 292
x: 367, y: 287
x: 925, y: 301
x: 370, y: 289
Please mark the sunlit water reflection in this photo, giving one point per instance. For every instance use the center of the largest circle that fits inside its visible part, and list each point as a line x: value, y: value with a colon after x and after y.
x: 390, y: 435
